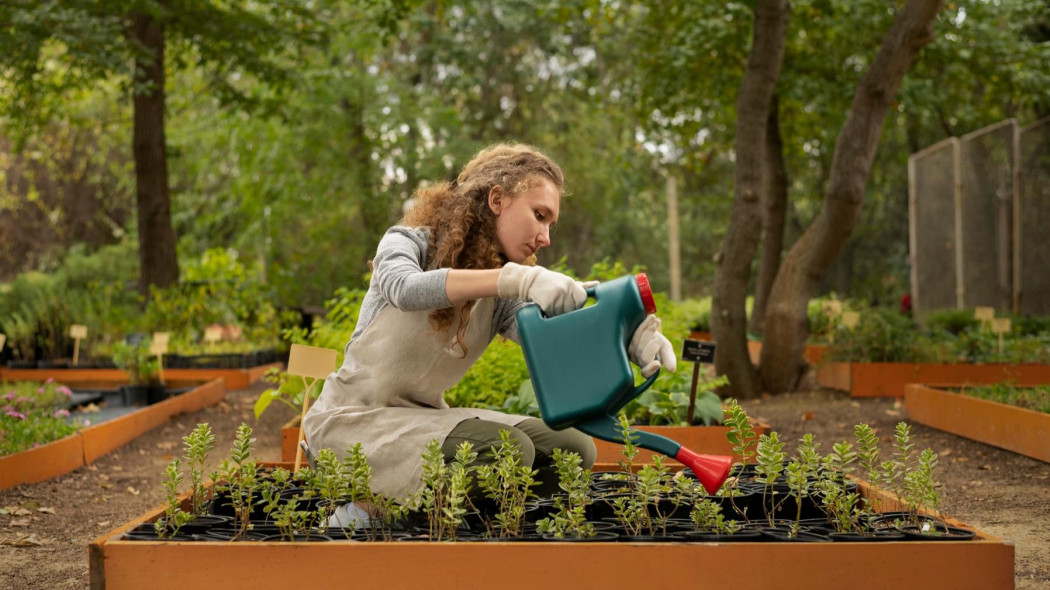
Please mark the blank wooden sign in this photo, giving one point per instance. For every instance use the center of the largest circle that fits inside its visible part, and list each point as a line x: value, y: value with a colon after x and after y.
x: 3, y: 339
x: 850, y: 319
x: 311, y: 361
x: 984, y: 314
x: 164, y: 337
x: 1001, y: 325
x: 78, y: 331
x: 832, y: 308
x: 212, y: 334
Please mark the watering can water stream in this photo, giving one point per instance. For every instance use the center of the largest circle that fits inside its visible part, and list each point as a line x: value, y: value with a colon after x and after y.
x: 582, y: 376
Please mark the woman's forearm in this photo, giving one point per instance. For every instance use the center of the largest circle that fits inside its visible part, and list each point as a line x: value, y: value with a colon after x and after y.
x: 463, y: 285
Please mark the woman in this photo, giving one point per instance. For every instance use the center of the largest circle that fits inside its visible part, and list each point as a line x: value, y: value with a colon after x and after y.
x: 443, y: 285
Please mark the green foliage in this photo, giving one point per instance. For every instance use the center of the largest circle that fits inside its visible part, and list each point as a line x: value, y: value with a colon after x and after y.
x: 237, y: 477
x: 656, y: 407
x: 444, y: 497
x: 217, y: 288
x: 20, y: 431
x: 740, y: 435
x: 174, y: 516
x: 885, y: 335
x: 569, y: 518
x: 507, y: 483
x: 197, y: 444
x: 142, y: 367
x: 1036, y: 398
x: 28, y: 415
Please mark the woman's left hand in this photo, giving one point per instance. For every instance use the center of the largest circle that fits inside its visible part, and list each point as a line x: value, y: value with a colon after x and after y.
x: 649, y: 349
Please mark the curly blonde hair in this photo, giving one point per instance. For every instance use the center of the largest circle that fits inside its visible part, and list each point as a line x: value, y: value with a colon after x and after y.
x: 462, y: 227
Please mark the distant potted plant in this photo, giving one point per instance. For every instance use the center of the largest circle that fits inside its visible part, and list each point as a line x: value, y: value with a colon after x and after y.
x: 144, y: 384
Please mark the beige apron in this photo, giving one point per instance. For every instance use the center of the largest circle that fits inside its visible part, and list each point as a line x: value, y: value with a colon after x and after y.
x: 389, y: 394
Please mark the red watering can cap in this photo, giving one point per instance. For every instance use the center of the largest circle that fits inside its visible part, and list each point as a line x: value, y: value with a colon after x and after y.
x: 646, y: 292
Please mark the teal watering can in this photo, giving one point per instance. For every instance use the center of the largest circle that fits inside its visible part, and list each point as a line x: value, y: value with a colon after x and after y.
x: 582, y: 375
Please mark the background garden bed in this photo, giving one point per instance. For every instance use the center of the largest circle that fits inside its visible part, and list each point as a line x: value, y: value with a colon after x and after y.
x: 91, y: 442
x: 889, y: 379
x: 232, y: 378
x: 1008, y: 427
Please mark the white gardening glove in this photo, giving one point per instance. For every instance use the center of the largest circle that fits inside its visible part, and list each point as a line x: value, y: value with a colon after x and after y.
x: 554, y: 292
x: 646, y: 343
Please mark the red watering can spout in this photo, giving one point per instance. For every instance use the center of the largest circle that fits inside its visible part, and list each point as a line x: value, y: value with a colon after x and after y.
x: 711, y: 470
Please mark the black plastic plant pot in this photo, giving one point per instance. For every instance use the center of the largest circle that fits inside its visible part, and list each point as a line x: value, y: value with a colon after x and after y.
x: 134, y: 395
x: 867, y: 536
x: 802, y: 536
x: 936, y: 533
x: 299, y: 538
x: 599, y: 537
x: 742, y: 536
x: 203, y: 523
x: 156, y: 393
x: 148, y: 532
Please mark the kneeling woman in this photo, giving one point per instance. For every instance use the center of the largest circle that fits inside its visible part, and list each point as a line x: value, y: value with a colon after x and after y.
x: 443, y: 285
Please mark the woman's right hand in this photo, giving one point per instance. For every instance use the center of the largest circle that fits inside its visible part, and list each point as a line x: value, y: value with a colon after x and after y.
x: 554, y: 292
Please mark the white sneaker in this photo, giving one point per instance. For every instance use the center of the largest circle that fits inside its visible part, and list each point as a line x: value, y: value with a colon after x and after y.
x: 349, y: 516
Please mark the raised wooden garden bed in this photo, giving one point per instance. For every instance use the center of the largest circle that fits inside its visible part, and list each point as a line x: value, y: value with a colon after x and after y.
x: 702, y: 439
x: 91, y: 442
x: 233, y: 378
x: 889, y: 379
x: 983, y: 562
x: 1008, y: 427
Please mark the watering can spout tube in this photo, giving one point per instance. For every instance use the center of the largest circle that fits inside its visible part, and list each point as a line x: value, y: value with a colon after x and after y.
x: 710, y: 470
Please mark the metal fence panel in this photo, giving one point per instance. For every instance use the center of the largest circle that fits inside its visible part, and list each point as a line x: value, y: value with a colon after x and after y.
x: 987, y: 174
x: 933, y: 228
x: 1034, y: 219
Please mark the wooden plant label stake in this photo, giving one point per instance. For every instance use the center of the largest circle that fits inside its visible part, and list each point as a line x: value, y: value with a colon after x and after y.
x: 3, y: 339
x: 985, y: 315
x: 1001, y: 326
x: 850, y: 319
x: 313, y: 363
x: 159, y: 348
x: 832, y: 308
x: 77, y: 332
x: 164, y: 337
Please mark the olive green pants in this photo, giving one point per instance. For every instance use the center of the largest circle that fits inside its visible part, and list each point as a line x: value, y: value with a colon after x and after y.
x: 536, y: 440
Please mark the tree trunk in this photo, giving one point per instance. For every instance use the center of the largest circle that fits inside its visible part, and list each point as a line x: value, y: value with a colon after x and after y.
x: 785, y: 324
x: 157, y: 262
x: 774, y: 209
x: 728, y: 312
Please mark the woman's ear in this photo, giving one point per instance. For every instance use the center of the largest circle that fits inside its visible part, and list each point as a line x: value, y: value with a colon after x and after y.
x: 496, y: 197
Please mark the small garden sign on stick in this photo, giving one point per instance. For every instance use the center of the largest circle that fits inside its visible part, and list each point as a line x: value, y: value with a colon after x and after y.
x: 985, y: 315
x: 697, y: 352
x: 77, y: 332
x: 159, y: 347
x: 313, y: 363
x: 1001, y: 326
x: 3, y: 339
x: 212, y: 334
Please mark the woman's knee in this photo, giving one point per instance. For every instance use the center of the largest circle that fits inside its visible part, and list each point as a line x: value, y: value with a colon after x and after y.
x: 484, y: 437
x: 546, y: 439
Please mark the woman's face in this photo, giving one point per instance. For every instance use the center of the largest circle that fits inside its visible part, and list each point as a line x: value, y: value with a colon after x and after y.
x: 524, y: 220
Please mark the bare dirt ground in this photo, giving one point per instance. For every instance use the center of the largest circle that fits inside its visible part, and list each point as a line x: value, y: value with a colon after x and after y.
x: 1000, y: 493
